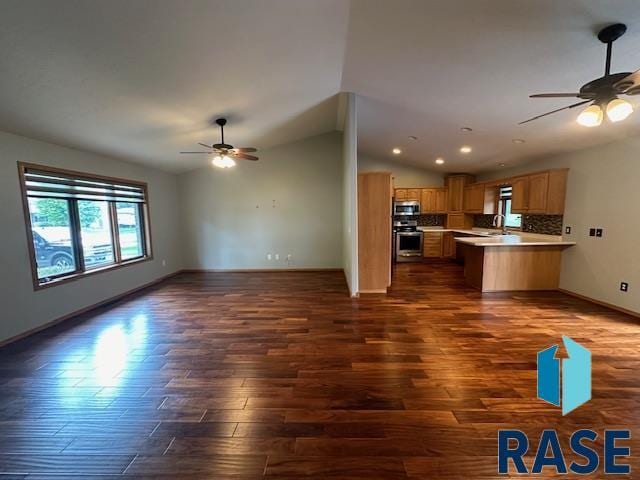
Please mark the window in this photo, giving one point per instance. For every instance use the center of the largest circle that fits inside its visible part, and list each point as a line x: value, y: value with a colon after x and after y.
x: 80, y: 224
x: 511, y: 220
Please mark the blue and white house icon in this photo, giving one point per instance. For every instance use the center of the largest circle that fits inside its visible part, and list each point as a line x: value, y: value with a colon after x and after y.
x: 573, y: 374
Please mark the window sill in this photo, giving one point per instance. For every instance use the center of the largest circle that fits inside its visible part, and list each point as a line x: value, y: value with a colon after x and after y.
x: 88, y: 273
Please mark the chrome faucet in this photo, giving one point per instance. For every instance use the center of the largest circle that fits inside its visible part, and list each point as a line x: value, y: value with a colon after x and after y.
x: 504, y: 223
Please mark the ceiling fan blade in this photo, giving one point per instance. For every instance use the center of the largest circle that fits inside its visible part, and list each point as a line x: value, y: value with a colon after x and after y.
x: 629, y: 85
x: 244, y: 156
x: 206, y: 153
x: 555, y: 111
x: 245, y: 150
x: 205, y: 145
x: 561, y: 95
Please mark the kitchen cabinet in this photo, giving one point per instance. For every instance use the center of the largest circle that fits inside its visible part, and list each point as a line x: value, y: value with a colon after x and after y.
x: 400, y: 194
x: 473, y: 199
x: 413, y: 194
x: 427, y: 200
x: 519, y: 195
x: 374, y: 231
x: 459, y: 220
x: 442, y: 195
x: 407, y: 194
x: 433, y: 200
x: 538, y: 188
x: 448, y: 245
x: 432, y: 244
x: 480, y: 198
x: 456, y: 184
x: 541, y: 193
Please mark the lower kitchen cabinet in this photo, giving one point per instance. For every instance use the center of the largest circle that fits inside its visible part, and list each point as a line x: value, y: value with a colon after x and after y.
x: 432, y: 244
x: 448, y: 245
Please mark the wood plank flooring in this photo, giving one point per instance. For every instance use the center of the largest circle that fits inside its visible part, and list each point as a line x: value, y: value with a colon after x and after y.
x: 282, y: 376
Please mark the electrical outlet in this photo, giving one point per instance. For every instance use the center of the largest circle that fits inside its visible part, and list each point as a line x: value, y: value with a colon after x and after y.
x: 268, y: 256
x: 567, y: 230
x: 277, y: 256
x: 592, y: 232
x: 598, y: 232
x: 164, y: 262
x: 624, y: 287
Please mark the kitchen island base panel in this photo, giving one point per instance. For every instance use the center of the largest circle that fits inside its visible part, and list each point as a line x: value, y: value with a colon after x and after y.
x: 499, y: 269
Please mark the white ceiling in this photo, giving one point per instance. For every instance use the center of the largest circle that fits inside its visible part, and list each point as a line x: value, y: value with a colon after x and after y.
x: 143, y: 79
x: 427, y: 68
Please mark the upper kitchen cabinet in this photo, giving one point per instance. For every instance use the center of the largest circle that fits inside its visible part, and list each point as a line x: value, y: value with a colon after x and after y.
x: 433, y: 200
x: 540, y: 193
x: 456, y: 184
x: 480, y: 198
x: 519, y: 195
x: 413, y: 194
x: 407, y: 194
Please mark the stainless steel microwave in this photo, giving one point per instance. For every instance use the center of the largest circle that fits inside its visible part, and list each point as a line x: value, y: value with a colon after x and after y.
x: 406, y: 208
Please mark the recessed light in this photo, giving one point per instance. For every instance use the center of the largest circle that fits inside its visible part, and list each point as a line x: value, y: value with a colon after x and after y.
x: 466, y: 129
x: 439, y: 161
x: 517, y: 140
x: 412, y: 137
x: 465, y: 149
x: 396, y: 151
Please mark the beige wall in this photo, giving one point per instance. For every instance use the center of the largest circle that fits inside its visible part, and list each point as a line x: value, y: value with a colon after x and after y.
x: 603, y: 190
x: 289, y: 202
x: 403, y: 175
x: 23, y: 308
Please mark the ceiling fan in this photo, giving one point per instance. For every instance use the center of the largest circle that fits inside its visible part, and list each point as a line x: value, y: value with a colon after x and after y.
x: 225, y: 153
x: 602, y: 92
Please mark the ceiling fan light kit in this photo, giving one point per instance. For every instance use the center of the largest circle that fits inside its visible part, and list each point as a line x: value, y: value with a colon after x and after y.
x: 601, y: 93
x: 225, y: 153
x: 223, y: 161
x: 618, y: 110
x: 590, y: 116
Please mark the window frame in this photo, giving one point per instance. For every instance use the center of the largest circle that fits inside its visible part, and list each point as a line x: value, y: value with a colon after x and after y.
x: 81, y: 271
x: 502, y: 208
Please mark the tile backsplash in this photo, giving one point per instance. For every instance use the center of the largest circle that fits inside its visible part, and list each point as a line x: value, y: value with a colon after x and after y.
x: 424, y: 220
x: 545, y: 224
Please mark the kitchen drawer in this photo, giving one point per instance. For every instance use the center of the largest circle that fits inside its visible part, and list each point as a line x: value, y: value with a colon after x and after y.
x: 432, y: 244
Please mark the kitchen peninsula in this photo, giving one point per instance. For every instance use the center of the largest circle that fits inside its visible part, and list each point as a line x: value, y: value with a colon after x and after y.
x: 512, y: 262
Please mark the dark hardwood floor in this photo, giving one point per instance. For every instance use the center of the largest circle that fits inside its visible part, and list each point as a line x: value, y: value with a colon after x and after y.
x: 281, y: 375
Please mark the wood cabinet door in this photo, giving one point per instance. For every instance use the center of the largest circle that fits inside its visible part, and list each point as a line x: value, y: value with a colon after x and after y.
x: 427, y: 201
x: 432, y: 244
x: 538, y: 190
x: 456, y: 220
x: 400, y: 194
x: 413, y: 194
x: 474, y: 198
x: 456, y: 193
x: 467, y: 199
x: 520, y: 195
x: 448, y: 245
x: 441, y: 200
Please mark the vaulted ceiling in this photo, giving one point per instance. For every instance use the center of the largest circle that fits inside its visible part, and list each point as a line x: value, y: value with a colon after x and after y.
x: 142, y: 80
